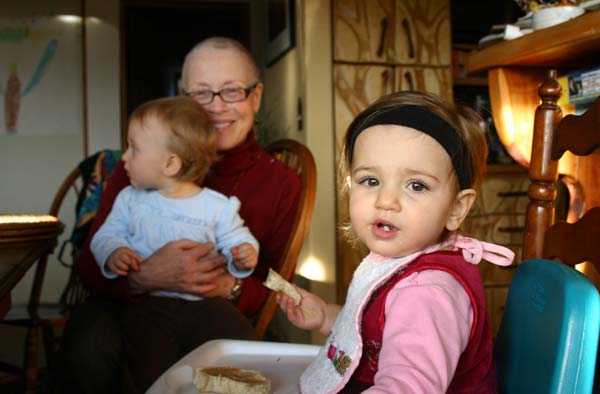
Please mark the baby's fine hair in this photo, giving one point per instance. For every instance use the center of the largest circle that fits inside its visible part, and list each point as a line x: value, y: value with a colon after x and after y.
x: 467, y: 123
x: 191, y: 135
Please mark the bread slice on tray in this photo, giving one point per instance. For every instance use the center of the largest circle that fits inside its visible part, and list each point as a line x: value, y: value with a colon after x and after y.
x: 231, y: 380
x: 276, y: 283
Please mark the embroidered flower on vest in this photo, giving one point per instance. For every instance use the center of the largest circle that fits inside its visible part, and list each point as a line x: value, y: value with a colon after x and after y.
x: 341, y: 361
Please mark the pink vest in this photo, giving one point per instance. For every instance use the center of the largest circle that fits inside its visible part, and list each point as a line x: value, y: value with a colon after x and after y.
x: 476, y: 371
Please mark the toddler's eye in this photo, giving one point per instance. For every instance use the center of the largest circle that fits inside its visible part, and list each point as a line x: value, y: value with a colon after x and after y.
x: 417, y: 186
x: 369, y: 181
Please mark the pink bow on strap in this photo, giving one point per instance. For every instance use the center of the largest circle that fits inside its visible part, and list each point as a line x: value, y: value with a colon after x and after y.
x: 474, y: 251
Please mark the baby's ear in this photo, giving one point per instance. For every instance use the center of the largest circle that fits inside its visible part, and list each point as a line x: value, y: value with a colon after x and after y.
x: 462, y: 204
x: 172, y: 165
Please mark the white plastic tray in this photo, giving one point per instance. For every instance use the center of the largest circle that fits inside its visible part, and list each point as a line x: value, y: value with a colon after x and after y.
x: 282, y: 363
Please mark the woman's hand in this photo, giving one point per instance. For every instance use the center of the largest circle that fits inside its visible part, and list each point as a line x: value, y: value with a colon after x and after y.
x: 184, y: 266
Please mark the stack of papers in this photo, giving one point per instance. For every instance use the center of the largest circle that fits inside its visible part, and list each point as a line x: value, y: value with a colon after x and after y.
x: 508, y: 32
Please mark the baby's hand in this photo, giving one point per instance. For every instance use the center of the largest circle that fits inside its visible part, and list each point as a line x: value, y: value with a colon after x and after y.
x: 310, y: 314
x: 245, y: 257
x: 122, y: 260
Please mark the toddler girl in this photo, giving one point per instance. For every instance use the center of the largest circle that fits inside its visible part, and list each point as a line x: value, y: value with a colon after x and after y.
x: 415, y: 319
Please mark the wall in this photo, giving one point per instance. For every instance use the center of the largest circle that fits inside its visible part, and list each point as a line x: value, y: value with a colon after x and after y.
x: 33, y: 165
x: 316, y: 73
x: 304, y: 74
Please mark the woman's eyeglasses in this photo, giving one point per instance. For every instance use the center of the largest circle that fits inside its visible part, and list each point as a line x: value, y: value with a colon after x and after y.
x: 228, y: 95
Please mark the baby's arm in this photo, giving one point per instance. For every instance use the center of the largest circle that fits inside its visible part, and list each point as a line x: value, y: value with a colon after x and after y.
x: 122, y: 260
x: 230, y: 233
x: 312, y: 313
x: 112, y: 235
x: 245, y: 256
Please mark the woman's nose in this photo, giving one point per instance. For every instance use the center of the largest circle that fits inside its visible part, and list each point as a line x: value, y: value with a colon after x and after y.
x: 216, y: 106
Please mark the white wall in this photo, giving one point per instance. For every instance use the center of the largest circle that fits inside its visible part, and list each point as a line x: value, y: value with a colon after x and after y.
x: 32, y: 166
x: 103, y: 65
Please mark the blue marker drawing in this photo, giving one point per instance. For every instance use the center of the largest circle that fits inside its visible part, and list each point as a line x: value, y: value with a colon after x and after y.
x: 42, y: 65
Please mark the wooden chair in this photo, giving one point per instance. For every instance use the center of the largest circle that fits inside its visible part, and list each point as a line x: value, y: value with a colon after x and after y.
x: 297, y: 156
x: 549, y: 333
x: 48, y: 320
x: 37, y: 317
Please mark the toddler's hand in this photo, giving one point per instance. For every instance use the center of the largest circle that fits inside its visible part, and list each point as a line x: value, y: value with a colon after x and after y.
x: 122, y: 260
x: 245, y: 257
x: 310, y: 314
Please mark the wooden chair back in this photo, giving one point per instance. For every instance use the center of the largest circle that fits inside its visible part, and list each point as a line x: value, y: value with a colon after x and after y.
x: 73, y: 293
x: 83, y: 185
x: 298, y: 157
x: 549, y: 333
x: 553, y: 135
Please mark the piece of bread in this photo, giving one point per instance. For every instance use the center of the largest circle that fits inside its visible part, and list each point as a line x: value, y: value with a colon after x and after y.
x: 231, y: 380
x: 276, y: 283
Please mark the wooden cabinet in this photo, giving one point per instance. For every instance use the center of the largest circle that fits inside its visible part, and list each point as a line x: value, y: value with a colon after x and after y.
x: 363, y: 31
x: 382, y: 46
x: 498, y: 216
x: 423, y: 32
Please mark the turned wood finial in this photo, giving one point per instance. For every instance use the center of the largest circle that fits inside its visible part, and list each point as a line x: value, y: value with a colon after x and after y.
x: 543, y: 172
x: 550, y: 90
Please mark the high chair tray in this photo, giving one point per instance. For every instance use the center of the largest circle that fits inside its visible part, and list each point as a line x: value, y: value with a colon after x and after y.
x: 282, y: 363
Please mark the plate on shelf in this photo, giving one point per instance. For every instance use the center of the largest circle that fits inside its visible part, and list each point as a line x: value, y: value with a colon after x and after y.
x: 590, y: 5
x: 282, y: 363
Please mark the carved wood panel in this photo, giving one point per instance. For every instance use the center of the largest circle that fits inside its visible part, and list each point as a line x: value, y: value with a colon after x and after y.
x: 423, y: 32
x: 363, y: 30
x: 356, y: 87
x: 436, y: 80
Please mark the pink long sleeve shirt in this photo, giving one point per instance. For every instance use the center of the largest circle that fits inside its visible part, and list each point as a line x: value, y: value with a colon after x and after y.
x: 429, y: 316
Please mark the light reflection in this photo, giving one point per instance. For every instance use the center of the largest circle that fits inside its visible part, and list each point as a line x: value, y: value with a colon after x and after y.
x: 312, y: 269
x: 17, y: 219
x: 69, y: 18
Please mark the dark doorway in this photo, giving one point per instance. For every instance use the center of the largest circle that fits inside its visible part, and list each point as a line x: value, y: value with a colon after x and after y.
x: 157, y: 35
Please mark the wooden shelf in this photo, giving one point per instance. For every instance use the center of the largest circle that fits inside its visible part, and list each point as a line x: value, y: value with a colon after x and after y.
x: 570, y: 45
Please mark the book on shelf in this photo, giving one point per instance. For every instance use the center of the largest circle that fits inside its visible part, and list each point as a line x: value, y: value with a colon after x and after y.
x: 581, y: 86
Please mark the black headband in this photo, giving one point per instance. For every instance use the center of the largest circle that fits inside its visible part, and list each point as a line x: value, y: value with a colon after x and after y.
x: 426, y: 122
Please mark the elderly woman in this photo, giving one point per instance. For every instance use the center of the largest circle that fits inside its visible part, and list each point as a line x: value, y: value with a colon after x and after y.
x: 222, y: 76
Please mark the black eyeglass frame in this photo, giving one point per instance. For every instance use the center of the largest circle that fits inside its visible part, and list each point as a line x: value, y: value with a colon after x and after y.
x: 247, y: 92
